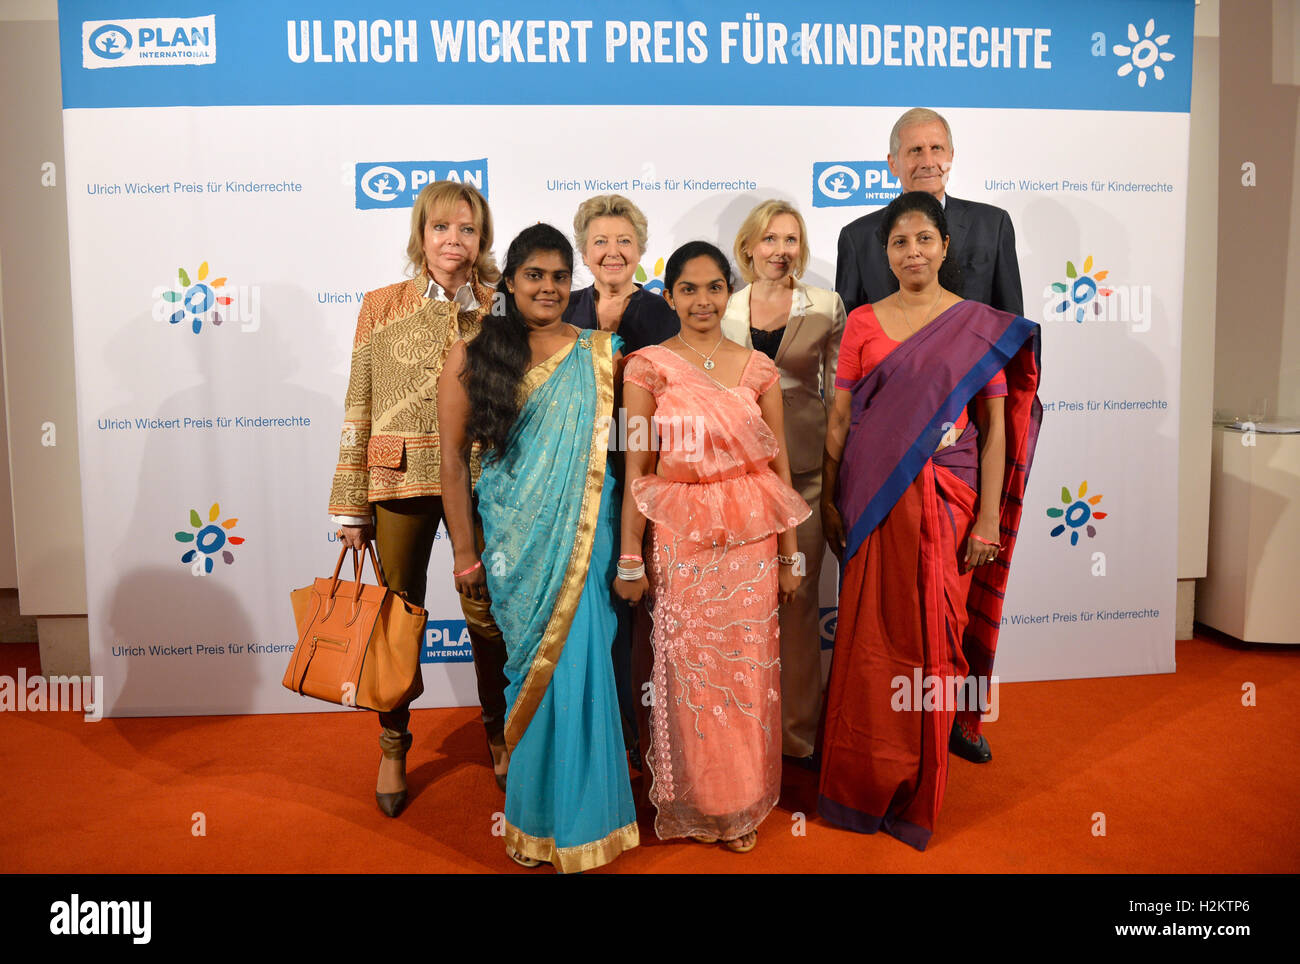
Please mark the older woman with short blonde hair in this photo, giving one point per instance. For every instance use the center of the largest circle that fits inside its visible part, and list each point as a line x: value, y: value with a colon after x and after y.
x: 799, y: 327
x: 610, y: 233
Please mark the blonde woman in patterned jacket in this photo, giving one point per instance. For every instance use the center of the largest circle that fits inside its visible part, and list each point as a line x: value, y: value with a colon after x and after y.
x: 386, y: 485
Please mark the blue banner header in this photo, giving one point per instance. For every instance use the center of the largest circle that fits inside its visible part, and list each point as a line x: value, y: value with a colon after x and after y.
x: 1104, y: 55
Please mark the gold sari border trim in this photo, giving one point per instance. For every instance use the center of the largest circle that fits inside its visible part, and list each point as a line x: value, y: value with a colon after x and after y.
x: 566, y: 600
x: 572, y: 860
x: 537, y: 375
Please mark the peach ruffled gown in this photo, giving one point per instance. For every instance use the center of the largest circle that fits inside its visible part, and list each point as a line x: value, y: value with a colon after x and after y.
x: 714, y: 510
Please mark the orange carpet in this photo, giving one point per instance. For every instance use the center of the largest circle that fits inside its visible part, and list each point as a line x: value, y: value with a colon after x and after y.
x: 1189, y: 781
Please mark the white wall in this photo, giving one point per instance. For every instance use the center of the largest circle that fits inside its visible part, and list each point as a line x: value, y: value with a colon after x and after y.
x: 1199, y: 300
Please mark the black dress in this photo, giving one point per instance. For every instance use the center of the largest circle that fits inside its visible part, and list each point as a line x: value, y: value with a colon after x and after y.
x: 648, y: 319
x: 768, y: 342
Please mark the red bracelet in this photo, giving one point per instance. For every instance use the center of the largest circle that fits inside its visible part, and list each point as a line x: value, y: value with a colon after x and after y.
x: 628, y: 556
x: 985, y: 541
x: 466, y: 572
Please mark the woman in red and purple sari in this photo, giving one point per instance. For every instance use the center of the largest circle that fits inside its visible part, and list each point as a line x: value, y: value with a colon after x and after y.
x: 930, y: 440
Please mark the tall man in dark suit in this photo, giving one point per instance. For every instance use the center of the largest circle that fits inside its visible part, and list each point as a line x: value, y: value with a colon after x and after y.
x: 983, y: 241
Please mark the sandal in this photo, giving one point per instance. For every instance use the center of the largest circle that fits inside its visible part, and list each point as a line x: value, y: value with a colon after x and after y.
x: 521, y: 860
x: 743, y: 844
x: 702, y: 838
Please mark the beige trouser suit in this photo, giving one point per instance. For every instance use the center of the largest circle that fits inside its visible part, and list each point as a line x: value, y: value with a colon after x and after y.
x: 806, y: 360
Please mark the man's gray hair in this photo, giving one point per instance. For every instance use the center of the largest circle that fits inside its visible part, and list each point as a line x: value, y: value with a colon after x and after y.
x: 917, y: 115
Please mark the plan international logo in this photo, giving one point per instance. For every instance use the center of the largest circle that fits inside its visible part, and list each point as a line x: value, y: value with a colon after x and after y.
x: 853, y: 184
x: 828, y: 619
x: 446, y: 641
x: 395, y: 184
x: 164, y: 42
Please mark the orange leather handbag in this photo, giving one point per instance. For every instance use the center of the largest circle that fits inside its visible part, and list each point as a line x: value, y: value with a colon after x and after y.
x: 359, y: 647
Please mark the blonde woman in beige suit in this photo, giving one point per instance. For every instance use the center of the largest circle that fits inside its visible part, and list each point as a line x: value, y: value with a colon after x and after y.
x: 799, y: 327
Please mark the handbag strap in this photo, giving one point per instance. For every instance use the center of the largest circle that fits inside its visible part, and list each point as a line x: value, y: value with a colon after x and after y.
x: 374, y: 561
x: 358, y: 563
x: 338, y: 567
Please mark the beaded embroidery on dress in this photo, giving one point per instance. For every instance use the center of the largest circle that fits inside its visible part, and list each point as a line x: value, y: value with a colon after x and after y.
x: 714, y: 509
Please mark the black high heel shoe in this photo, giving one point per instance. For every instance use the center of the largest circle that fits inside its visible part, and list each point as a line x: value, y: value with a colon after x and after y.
x: 394, y: 746
x: 499, y: 757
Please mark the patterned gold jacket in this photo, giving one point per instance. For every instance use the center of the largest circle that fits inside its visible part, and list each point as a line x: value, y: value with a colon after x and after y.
x: 389, y: 448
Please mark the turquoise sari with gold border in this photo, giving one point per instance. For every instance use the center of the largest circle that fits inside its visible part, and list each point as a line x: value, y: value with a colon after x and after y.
x: 550, y: 510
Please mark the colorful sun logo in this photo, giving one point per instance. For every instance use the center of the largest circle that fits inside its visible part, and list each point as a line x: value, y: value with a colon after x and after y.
x: 209, y: 541
x: 655, y: 284
x: 1145, y: 53
x: 1082, y: 293
x: 1077, y: 514
x: 197, y: 299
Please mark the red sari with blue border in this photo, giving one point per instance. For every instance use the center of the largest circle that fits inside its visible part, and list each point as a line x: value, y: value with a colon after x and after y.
x: 904, y: 604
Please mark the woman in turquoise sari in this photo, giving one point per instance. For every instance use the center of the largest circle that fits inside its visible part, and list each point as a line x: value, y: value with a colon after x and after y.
x: 538, y: 395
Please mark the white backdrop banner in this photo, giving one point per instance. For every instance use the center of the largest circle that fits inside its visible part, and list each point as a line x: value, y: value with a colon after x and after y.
x: 238, y: 176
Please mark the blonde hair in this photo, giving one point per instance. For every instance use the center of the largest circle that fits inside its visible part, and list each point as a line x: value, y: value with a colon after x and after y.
x: 609, y: 206
x: 917, y: 115
x: 755, y: 224
x: 441, y: 197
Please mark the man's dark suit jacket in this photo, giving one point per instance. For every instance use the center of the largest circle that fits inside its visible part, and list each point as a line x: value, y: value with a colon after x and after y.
x: 982, y: 242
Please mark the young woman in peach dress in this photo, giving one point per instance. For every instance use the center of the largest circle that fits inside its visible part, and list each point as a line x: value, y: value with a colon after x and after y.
x: 721, y: 555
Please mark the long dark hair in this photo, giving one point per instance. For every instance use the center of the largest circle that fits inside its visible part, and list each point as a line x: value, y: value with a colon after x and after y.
x: 495, y: 360
x: 688, y: 252
x: 925, y: 204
